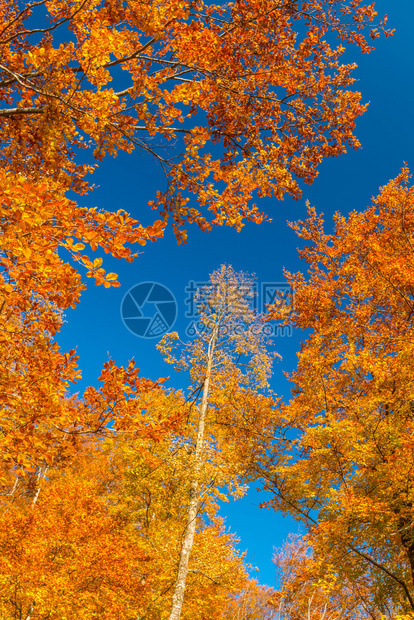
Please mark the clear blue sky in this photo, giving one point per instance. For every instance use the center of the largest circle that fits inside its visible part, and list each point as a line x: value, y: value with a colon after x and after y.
x: 386, y: 131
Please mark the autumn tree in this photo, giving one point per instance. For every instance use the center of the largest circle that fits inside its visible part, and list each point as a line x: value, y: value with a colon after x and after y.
x: 343, y: 465
x: 308, y: 590
x: 38, y: 223
x: 229, y: 367
x: 68, y: 555
x: 262, y: 104
x: 102, y: 537
x: 155, y: 498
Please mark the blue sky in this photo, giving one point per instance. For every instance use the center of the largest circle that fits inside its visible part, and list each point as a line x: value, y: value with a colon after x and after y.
x: 386, y: 131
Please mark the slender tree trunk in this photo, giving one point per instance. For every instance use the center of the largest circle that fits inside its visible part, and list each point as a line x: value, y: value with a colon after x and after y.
x: 42, y: 474
x: 188, y: 537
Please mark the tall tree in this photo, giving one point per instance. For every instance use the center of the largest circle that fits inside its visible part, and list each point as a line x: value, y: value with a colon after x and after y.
x: 101, y: 539
x: 155, y: 498
x: 229, y: 366
x: 345, y: 467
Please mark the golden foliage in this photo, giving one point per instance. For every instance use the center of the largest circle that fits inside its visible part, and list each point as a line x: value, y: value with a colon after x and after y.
x: 346, y: 469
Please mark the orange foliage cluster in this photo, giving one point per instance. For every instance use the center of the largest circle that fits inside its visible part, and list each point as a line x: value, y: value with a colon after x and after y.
x: 114, y: 75
x: 99, y: 539
x: 346, y: 471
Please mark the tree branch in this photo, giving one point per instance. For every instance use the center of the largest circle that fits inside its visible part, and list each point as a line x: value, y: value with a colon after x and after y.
x: 19, y: 111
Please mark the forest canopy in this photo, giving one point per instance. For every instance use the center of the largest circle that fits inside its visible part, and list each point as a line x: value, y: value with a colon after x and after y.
x: 110, y: 496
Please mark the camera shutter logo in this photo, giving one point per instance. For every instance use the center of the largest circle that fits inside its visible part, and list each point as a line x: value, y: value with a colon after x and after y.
x: 149, y: 310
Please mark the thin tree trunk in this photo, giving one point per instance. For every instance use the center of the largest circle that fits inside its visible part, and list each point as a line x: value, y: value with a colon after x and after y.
x: 188, y: 537
x: 42, y: 474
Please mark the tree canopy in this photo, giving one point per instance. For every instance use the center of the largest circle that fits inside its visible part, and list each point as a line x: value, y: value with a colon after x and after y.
x: 232, y: 100
x: 109, y: 497
x: 343, y: 465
